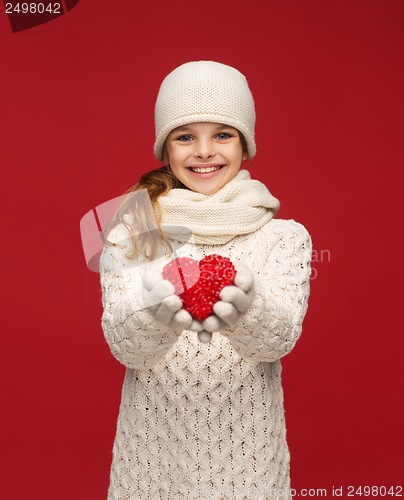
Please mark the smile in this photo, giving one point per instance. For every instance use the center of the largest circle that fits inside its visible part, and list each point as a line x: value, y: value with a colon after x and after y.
x: 205, y: 170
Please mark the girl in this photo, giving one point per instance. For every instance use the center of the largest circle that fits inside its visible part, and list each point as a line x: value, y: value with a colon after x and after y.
x: 203, y: 419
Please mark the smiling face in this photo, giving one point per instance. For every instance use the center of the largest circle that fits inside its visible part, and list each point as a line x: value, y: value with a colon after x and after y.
x: 204, y: 156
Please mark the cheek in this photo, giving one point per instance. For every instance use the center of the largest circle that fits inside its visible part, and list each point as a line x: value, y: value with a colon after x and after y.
x: 171, y: 155
x: 178, y: 156
x: 165, y: 155
x: 239, y: 154
x: 169, y: 152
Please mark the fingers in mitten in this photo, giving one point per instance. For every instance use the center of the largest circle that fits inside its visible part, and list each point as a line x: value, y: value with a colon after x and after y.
x: 161, y: 290
x: 213, y: 324
x: 244, y: 278
x: 151, y: 277
x: 196, y: 326
x: 204, y: 337
x: 237, y: 297
x: 168, y: 307
x: 226, y: 312
x: 149, y: 300
x: 251, y: 294
x: 181, y: 320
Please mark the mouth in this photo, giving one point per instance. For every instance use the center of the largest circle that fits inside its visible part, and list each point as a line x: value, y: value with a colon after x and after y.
x: 206, y: 169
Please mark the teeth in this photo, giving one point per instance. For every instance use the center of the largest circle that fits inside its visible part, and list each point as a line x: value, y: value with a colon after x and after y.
x: 200, y: 170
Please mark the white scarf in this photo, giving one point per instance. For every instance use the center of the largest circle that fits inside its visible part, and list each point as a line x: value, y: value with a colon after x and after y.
x: 240, y: 207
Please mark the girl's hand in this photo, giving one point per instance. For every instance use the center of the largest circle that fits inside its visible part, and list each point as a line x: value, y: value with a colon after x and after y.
x: 159, y: 296
x: 235, y: 300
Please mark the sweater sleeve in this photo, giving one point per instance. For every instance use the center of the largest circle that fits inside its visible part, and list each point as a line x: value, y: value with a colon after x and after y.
x: 135, y: 338
x: 271, y: 327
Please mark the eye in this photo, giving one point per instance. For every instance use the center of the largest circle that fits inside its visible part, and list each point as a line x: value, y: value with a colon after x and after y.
x: 184, y: 138
x: 223, y: 135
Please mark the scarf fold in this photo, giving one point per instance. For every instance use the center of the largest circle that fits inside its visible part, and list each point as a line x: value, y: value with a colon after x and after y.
x: 240, y: 207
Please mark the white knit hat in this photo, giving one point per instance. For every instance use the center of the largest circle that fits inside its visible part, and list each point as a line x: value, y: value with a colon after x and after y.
x: 204, y: 91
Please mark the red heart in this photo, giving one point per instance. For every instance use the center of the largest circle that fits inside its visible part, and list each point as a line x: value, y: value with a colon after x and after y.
x: 199, y: 295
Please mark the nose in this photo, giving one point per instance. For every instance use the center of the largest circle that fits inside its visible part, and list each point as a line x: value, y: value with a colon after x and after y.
x: 204, y: 149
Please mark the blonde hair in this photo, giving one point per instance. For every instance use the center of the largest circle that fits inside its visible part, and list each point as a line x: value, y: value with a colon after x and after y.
x: 145, y: 240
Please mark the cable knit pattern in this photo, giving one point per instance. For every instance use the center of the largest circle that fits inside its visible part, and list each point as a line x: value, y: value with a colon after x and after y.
x: 206, y: 420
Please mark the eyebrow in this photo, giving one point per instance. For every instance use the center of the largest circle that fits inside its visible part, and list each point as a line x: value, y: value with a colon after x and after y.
x: 187, y: 128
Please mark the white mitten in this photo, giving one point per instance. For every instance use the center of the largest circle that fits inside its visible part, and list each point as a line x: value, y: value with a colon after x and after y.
x: 204, y: 336
x: 159, y: 296
x: 235, y: 299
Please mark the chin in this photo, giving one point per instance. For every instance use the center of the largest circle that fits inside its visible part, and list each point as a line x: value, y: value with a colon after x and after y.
x: 209, y: 191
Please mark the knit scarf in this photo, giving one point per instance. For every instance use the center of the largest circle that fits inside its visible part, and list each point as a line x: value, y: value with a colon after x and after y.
x: 240, y: 207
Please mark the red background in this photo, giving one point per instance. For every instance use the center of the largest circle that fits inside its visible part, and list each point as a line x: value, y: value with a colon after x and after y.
x: 77, y: 129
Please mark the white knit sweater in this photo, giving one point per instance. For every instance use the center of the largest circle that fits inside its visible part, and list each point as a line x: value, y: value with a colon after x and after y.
x: 206, y: 420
